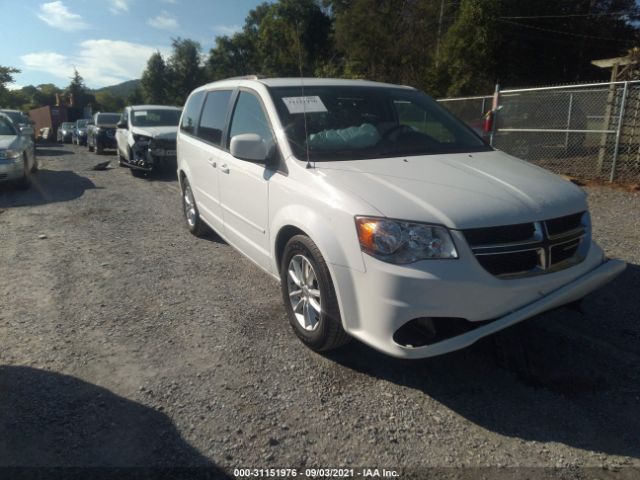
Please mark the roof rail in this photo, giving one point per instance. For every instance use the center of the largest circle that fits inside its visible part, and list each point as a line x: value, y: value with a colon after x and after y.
x: 246, y: 77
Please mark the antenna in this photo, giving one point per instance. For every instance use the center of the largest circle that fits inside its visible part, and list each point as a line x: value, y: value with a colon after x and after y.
x: 304, y: 105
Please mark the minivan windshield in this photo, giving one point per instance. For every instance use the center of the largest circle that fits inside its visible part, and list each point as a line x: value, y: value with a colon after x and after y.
x: 155, y: 118
x: 81, y: 123
x: 358, y: 122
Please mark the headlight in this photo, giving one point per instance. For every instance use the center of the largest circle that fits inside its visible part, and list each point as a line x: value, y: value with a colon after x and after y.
x: 9, y: 154
x: 400, y: 242
x: 141, y: 138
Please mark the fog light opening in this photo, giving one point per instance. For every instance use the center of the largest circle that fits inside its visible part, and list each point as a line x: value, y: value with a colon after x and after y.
x: 424, y: 331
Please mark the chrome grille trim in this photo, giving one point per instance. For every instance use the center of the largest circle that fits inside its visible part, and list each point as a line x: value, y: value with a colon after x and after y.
x: 543, y: 244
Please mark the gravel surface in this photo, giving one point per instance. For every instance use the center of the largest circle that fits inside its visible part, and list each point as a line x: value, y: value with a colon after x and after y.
x: 125, y: 341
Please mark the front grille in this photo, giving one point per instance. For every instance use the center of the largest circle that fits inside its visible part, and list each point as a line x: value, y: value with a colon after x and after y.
x: 513, y: 251
x: 165, y: 144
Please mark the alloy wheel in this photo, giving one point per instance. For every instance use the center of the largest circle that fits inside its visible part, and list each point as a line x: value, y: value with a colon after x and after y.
x: 304, y: 292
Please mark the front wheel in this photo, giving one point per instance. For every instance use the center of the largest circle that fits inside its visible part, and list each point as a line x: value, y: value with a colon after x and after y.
x: 194, y: 223
x: 309, y: 296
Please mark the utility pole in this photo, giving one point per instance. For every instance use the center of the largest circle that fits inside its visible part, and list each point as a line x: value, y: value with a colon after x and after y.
x: 439, y: 32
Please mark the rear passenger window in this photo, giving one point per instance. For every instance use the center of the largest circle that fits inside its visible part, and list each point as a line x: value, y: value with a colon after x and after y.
x: 214, y: 114
x: 192, y: 112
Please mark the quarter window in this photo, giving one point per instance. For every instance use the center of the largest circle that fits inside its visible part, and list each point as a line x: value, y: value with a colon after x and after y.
x: 248, y: 117
x: 214, y: 114
x: 191, y: 112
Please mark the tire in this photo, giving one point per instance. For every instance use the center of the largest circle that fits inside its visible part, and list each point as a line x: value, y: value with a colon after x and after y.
x: 322, y: 329
x: 195, y: 225
x: 137, y: 173
x: 99, y: 149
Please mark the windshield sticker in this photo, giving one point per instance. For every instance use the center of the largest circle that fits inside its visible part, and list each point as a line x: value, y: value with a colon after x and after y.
x: 140, y: 113
x: 304, y: 104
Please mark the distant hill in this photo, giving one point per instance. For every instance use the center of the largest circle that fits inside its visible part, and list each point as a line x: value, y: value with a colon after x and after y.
x: 122, y: 90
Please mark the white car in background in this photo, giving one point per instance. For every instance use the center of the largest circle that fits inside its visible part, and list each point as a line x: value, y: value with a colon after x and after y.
x: 17, y: 154
x: 383, y: 216
x: 146, y: 137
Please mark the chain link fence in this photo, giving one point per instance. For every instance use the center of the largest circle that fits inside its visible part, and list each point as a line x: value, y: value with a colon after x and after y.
x: 587, y: 131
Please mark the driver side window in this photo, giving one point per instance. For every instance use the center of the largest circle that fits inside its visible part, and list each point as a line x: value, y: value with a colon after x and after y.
x: 248, y: 117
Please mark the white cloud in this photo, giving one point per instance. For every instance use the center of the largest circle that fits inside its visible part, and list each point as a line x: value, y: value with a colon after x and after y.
x: 226, y: 29
x: 119, y: 6
x: 100, y: 62
x: 164, y: 21
x: 57, y: 15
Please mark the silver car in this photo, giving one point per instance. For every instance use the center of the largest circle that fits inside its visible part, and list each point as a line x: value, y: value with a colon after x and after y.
x: 17, y: 156
x: 22, y: 122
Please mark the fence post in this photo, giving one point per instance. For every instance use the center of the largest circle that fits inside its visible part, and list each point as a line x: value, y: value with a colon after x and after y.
x: 602, y: 153
x: 566, y: 138
x: 623, y: 104
x: 494, y: 109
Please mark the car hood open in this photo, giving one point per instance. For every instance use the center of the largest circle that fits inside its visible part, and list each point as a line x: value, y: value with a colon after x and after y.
x: 461, y: 191
x: 169, y: 133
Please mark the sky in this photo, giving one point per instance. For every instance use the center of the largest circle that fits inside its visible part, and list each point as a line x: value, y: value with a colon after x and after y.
x: 108, y: 41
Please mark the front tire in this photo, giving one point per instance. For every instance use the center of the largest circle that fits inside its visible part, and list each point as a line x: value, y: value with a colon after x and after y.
x: 191, y: 215
x: 25, y: 182
x: 309, y: 296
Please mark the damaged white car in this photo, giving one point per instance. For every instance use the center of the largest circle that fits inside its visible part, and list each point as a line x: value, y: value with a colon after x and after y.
x: 146, y: 138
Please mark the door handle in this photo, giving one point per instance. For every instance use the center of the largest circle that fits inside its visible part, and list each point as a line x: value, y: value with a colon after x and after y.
x: 224, y: 168
x: 212, y: 162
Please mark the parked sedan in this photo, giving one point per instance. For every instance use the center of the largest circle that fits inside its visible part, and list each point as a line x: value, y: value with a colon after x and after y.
x: 65, y: 132
x: 79, y: 135
x: 17, y: 156
x: 22, y: 121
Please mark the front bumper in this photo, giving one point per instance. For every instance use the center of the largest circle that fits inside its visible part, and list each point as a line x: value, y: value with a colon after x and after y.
x: 12, y: 169
x: 376, y: 303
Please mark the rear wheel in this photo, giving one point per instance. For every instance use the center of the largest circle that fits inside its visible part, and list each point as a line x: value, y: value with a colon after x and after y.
x: 99, y: 149
x: 309, y: 296
x: 195, y: 225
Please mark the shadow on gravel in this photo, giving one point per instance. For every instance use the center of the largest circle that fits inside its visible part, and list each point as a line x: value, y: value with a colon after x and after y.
x: 561, y: 377
x: 48, y: 186
x: 53, y: 152
x: 52, y: 420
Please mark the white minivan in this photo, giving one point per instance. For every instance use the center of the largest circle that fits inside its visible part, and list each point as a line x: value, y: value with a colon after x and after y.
x: 383, y: 216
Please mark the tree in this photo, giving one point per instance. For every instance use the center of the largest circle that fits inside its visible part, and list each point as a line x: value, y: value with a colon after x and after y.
x: 108, y: 102
x: 6, y: 77
x: 136, y: 97
x: 470, y: 49
x: 78, y: 90
x: 154, y: 80
x: 293, y: 38
x: 387, y: 40
x: 185, y: 71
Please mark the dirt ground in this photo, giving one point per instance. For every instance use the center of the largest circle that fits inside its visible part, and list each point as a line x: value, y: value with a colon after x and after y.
x: 127, y: 342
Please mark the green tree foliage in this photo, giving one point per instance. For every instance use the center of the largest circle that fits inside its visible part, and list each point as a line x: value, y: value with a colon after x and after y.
x: 293, y: 38
x: 109, y: 102
x: 185, y: 71
x: 78, y: 90
x: 470, y: 50
x: 154, y: 80
x: 387, y: 40
x: 6, y: 77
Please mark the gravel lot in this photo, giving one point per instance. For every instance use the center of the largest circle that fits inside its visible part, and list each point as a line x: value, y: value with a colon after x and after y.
x: 127, y: 342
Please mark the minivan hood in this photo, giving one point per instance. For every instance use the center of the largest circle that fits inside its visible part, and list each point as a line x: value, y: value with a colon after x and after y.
x: 156, y: 132
x: 459, y: 191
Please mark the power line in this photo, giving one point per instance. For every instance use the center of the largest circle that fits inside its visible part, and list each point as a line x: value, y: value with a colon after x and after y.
x: 612, y: 14
x: 570, y: 34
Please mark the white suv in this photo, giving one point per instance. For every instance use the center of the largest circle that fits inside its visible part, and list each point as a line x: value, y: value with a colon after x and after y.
x: 383, y: 216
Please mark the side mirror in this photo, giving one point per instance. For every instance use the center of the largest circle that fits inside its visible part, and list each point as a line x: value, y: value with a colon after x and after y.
x: 122, y: 125
x: 249, y: 146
